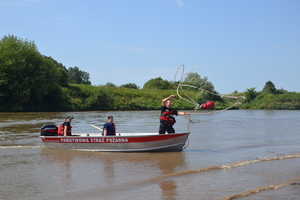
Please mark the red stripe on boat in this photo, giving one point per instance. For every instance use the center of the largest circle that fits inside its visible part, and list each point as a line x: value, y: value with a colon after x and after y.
x: 113, y: 139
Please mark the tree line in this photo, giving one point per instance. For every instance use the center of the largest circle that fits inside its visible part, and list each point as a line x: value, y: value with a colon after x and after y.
x: 30, y: 81
x: 271, y: 98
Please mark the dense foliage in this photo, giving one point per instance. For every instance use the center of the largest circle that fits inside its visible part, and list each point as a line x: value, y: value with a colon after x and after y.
x: 264, y: 100
x: 271, y: 98
x: 77, y: 76
x: 26, y: 75
x: 129, y: 85
x: 159, y: 83
x: 30, y: 81
x: 269, y: 88
x: 87, y: 97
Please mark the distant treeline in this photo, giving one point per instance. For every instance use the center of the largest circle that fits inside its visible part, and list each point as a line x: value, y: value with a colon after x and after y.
x: 271, y: 98
x: 79, y: 97
x: 30, y: 81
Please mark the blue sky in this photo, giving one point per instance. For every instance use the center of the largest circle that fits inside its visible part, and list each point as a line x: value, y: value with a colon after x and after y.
x: 237, y: 44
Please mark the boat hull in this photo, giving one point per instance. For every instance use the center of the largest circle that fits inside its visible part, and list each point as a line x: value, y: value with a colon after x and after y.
x: 132, y: 143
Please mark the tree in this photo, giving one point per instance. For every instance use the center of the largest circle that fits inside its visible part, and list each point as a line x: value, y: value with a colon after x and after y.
x: 158, y: 83
x: 269, y: 88
x: 26, y: 75
x: 281, y: 91
x: 85, y: 78
x: 206, y: 91
x: 77, y: 76
x: 129, y: 85
x: 250, y: 94
x: 110, y: 84
x: 61, y: 71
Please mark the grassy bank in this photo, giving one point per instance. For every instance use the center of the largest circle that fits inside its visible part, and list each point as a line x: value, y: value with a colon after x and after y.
x: 76, y: 97
x: 86, y: 97
x: 92, y: 98
x: 285, y: 101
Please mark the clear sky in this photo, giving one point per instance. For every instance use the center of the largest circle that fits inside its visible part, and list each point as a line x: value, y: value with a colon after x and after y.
x: 237, y: 44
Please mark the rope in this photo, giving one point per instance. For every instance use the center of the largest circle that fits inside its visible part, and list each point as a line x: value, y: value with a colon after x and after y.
x: 239, y: 99
x: 188, y: 99
x: 187, y: 142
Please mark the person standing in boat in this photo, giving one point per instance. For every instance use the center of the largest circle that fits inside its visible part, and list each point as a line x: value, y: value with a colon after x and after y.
x: 166, y: 118
x: 109, y: 128
x: 65, y: 128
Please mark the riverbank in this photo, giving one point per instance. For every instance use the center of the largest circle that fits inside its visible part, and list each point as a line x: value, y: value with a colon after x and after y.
x: 77, y: 97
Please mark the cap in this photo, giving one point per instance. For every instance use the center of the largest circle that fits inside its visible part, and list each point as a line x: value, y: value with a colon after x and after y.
x: 69, y: 117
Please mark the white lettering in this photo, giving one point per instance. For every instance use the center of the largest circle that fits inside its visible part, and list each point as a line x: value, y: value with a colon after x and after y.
x: 94, y: 140
x: 97, y: 140
x: 74, y: 140
x: 116, y: 140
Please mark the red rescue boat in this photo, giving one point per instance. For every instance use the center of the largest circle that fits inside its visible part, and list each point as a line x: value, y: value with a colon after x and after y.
x: 123, y: 142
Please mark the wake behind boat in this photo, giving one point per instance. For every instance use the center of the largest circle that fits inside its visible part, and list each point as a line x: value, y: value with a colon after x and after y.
x: 123, y: 142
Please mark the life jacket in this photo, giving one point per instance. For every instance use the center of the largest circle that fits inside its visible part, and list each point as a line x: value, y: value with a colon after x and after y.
x: 167, y: 116
x: 208, y: 105
x: 60, y: 129
x: 114, y: 128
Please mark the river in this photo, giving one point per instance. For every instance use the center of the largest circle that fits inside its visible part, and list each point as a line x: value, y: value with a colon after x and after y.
x: 240, y: 154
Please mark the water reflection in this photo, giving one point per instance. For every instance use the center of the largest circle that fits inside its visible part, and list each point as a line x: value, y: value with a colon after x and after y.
x: 168, y: 189
x: 117, y: 172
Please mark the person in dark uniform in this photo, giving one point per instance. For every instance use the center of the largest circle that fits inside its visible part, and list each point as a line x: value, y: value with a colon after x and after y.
x: 109, y: 128
x: 166, y: 118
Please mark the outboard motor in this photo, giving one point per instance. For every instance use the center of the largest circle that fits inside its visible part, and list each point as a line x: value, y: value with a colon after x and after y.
x: 49, y: 130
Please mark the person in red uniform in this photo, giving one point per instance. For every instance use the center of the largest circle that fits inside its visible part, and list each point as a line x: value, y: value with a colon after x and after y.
x: 166, y: 118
